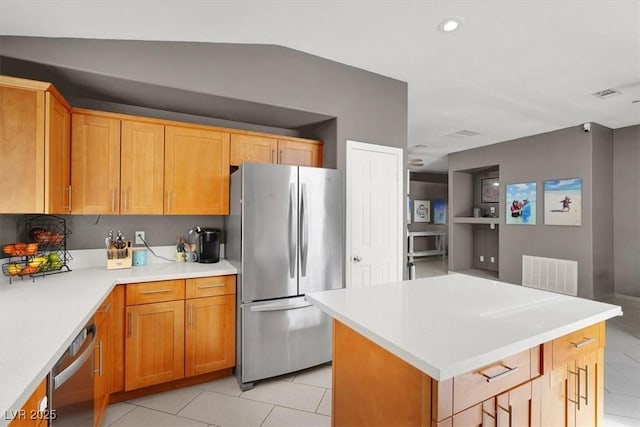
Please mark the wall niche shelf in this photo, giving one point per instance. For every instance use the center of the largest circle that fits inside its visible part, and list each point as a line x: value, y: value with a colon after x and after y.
x: 475, y: 220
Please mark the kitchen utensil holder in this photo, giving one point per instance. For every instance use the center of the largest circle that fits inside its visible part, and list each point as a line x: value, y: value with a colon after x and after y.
x: 120, y: 258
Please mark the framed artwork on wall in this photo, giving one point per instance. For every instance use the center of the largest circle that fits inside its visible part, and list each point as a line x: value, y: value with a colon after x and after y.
x: 563, y: 201
x: 490, y: 189
x: 521, y: 203
x: 439, y: 210
x: 421, y: 211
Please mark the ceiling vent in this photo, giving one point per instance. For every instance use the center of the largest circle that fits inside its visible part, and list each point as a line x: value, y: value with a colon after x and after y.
x: 607, y: 93
x: 464, y: 132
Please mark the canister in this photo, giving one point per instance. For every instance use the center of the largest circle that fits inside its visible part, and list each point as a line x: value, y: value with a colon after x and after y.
x: 139, y: 256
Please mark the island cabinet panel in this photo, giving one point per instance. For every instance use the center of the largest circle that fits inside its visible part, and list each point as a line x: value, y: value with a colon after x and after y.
x: 520, y: 390
x: 30, y: 415
x: 196, y: 179
x: 371, y: 386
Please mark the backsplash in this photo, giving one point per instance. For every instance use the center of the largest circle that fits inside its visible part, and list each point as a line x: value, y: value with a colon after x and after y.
x: 89, y: 231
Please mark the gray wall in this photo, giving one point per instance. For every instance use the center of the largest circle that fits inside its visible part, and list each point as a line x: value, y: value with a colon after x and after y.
x: 261, y: 85
x: 626, y: 210
x: 565, y: 153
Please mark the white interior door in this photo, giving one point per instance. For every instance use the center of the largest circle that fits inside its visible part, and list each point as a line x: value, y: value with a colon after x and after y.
x: 375, y: 204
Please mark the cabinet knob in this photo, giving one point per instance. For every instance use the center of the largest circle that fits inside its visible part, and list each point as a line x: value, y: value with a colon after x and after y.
x: 357, y: 259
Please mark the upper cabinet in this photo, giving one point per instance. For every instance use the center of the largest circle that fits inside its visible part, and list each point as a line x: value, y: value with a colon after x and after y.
x: 265, y: 149
x: 95, y: 164
x: 34, y: 147
x: 196, y: 175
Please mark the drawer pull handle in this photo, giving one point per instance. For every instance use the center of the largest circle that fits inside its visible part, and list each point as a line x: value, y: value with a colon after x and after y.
x: 156, y: 291
x: 584, y: 342
x: 105, y: 308
x: 217, y: 285
x: 579, y: 387
x: 509, y: 370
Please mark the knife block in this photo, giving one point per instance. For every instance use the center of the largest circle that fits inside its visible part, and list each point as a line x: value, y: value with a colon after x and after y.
x: 119, y: 258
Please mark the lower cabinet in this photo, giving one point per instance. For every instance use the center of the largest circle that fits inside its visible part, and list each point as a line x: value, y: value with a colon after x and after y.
x: 176, y: 329
x: 559, y: 383
x: 102, y: 360
x: 31, y: 415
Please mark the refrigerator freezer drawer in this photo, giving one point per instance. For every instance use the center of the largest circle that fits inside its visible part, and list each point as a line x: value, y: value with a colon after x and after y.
x: 283, y: 336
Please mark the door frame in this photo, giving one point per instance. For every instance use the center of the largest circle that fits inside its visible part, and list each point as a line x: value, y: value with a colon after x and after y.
x: 352, y: 147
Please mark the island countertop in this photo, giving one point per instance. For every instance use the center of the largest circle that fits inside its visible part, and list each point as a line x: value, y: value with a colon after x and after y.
x: 39, y: 319
x: 452, y: 324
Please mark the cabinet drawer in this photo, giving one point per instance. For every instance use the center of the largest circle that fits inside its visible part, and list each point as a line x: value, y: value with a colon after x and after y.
x: 148, y: 292
x: 576, y: 344
x: 104, y: 311
x: 476, y: 386
x: 211, y: 286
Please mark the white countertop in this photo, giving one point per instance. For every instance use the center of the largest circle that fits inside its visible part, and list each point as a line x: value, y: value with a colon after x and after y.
x: 38, y: 320
x: 452, y: 324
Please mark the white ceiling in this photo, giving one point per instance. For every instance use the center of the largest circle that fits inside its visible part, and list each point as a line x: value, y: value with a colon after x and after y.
x: 515, y: 68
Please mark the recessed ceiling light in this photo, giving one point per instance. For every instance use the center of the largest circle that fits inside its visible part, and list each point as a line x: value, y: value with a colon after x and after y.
x: 450, y: 24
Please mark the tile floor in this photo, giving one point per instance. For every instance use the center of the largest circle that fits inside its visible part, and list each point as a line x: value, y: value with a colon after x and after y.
x: 304, y: 399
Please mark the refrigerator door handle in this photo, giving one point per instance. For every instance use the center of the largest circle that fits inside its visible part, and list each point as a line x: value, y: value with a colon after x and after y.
x: 292, y: 233
x: 280, y: 306
x: 304, y: 225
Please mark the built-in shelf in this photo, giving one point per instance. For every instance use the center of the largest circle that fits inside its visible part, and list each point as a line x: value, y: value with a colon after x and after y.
x: 475, y: 220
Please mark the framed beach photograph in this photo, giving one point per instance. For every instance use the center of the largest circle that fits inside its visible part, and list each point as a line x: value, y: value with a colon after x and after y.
x: 521, y: 203
x: 490, y: 190
x: 421, y: 211
x: 563, y: 201
x: 439, y: 211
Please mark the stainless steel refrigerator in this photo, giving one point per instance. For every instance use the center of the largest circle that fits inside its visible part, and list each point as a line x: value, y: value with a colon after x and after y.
x: 284, y: 234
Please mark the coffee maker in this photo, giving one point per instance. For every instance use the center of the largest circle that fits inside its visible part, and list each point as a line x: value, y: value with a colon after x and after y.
x: 208, y: 245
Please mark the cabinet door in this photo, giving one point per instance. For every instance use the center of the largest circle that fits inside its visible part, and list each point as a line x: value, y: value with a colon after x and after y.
x: 57, y: 162
x: 298, y: 153
x: 29, y: 415
x: 95, y: 164
x: 196, y: 171
x: 142, y: 168
x: 154, y: 345
x: 22, y: 150
x: 519, y: 406
x: 210, y: 334
x: 102, y: 371
x: 585, y: 398
x: 252, y: 148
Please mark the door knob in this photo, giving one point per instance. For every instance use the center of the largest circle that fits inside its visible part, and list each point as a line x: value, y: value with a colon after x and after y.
x: 357, y: 259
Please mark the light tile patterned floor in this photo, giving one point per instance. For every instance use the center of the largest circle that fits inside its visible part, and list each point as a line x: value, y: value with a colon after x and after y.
x: 304, y: 399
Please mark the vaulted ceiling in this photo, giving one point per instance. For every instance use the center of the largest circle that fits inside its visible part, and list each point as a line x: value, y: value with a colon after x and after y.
x: 514, y: 68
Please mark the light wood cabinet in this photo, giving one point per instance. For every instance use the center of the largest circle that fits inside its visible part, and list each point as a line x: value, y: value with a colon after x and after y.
x: 117, y: 165
x: 266, y: 149
x: 299, y: 153
x: 210, y: 334
x: 142, y: 168
x: 167, y: 338
x: 95, y: 164
x: 102, y: 360
x: 154, y: 348
x: 30, y: 415
x: 531, y: 392
x: 196, y: 178
x: 34, y: 147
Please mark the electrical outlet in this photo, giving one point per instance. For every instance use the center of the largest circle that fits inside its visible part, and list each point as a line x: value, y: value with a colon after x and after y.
x: 492, y: 259
x: 481, y: 258
x: 140, y: 237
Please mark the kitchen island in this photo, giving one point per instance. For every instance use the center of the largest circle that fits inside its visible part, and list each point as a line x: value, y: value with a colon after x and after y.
x: 458, y: 350
x: 39, y: 319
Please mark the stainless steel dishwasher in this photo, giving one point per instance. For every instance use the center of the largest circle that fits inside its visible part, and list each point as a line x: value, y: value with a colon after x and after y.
x: 71, y: 382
